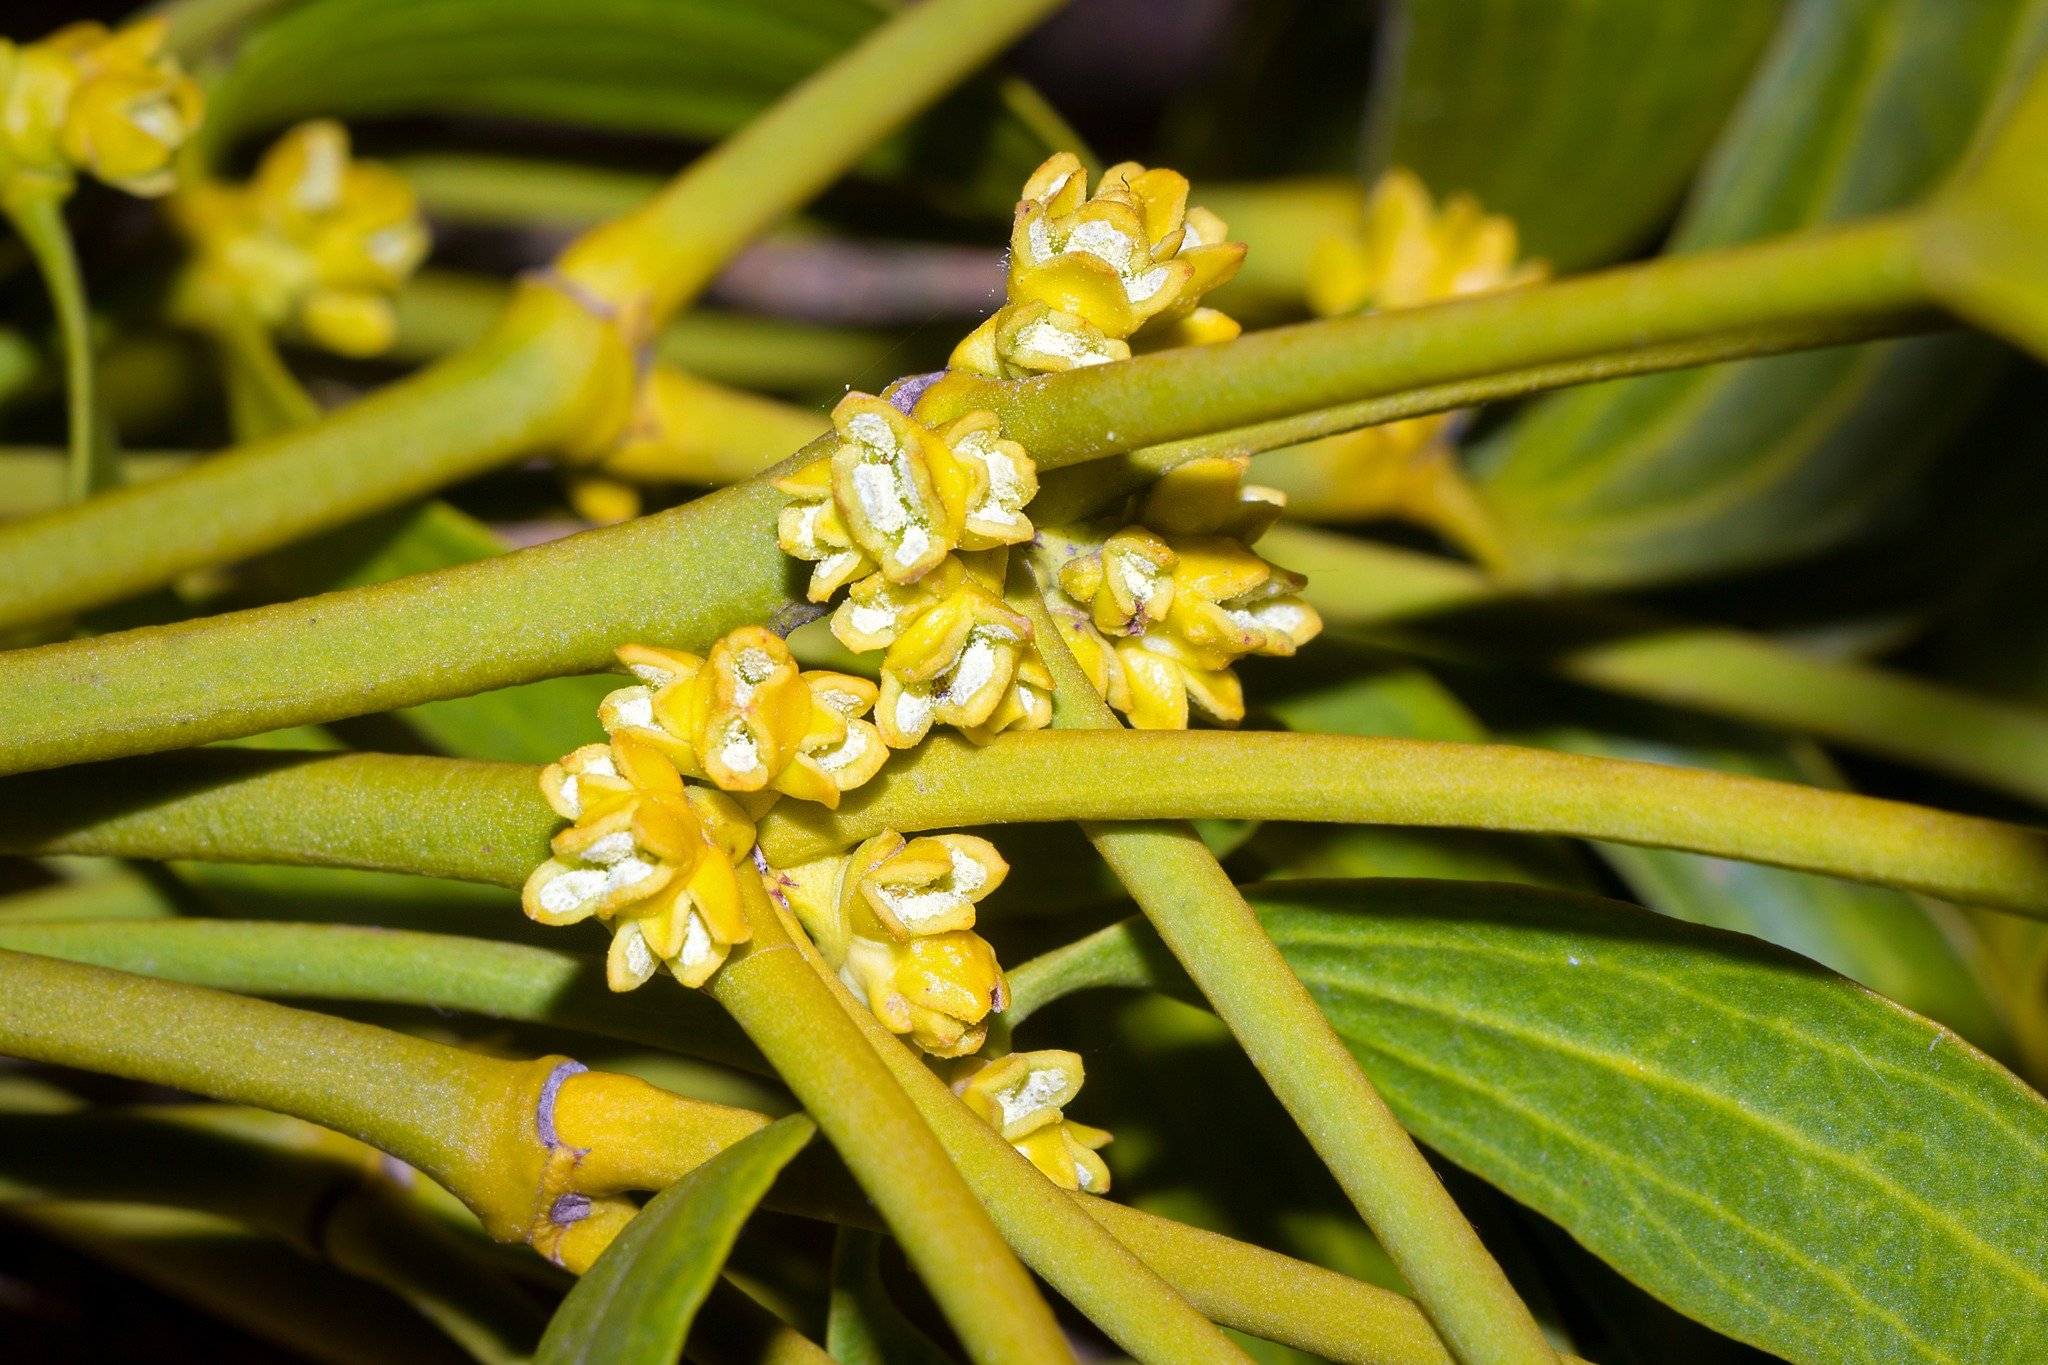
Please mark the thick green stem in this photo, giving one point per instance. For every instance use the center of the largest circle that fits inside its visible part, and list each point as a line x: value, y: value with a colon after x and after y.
x: 528, y: 386
x: 1139, y: 1311
x: 35, y: 205
x: 1213, y: 933
x: 686, y: 576
x: 485, y: 821
x: 1235, y: 1284
x: 985, y: 1294
x: 1357, y: 583
x: 662, y: 255
x: 463, y: 1118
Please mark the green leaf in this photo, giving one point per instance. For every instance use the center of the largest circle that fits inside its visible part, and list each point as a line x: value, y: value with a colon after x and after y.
x: 1863, y: 106
x: 1898, y: 944
x: 635, y: 1305
x: 1764, y: 1145
x: 689, y: 69
x: 863, y: 1327
x: 1583, y: 122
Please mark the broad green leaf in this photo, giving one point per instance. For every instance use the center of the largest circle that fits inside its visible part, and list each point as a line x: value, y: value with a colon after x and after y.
x: 1897, y: 944
x: 1862, y: 106
x: 635, y: 1305
x: 1583, y: 122
x: 1766, y: 1146
x: 689, y: 69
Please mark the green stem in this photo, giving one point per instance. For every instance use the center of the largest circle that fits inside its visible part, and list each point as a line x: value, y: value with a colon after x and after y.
x: 399, y: 967
x: 1213, y: 933
x: 464, y: 1119
x: 1074, y: 492
x: 663, y: 254
x: 1860, y: 273
x: 685, y: 576
x: 1098, y: 1275
x: 985, y: 1294
x: 264, y: 397
x: 35, y: 205
x: 485, y: 821
x: 1238, y: 1285
x: 1357, y: 583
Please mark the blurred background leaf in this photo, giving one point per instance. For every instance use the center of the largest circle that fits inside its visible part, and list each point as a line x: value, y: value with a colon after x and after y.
x: 1583, y: 122
x: 1861, y: 106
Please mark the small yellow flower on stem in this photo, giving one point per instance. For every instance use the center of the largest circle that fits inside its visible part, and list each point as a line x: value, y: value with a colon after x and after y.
x: 648, y: 855
x: 113, y: 104
x: 1408, y: 252
x: 748, y: 720
x: 1157, y: 614
x: 956, y: 653
x: 1023, y: 1096
x: 315, y: 241
x: 896, y: 917
x: 896, y: 496
x: 1091, y: 275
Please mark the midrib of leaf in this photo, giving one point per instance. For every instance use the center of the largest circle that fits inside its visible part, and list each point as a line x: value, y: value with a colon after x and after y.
x: 1645, y: 1073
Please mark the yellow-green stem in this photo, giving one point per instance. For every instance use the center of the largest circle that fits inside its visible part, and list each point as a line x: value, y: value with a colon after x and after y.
x: 1185, y: 893
x: 35, y: 205
x: 1138, y: 1310
x: 985, y: 1294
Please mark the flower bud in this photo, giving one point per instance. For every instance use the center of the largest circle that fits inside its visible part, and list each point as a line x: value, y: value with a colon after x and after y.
x: 748, y: 720
x: 1023, y: 1097
x: 114, y: 104
x: 315, y: 241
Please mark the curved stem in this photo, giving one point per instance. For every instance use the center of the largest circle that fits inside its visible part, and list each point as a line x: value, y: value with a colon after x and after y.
x: 660, y: 256
x: 1234, y: 1283
x: 1213, y: 933
x: 985, y: 1294
x: 1117, y: 1291
x: 36, y: 207
x: 478, y: 627
x: 464, y: 1119
x: 486, y: 822
x: 1725, y: 672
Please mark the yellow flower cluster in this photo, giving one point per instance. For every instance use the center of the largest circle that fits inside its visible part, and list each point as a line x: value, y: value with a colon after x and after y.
x: 1157, y: 614
x: 747, y: 720
x: 917, y: 521
x: 647, y: 854
x: 316, y: 240
x: 1023, y: 1096
x: 896, y: 917
x: 1090, y: 275
x: 114, y: 104
x: 1407, y: 252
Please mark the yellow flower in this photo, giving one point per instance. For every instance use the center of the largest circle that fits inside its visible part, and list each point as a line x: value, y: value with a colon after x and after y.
x: 114, y: 104
x: 1089, y: 273
x: 647, y: 855
x: 1023, y: 1096
x: 896, y: 918
x: 1408, y: 252
x: 315, y: 240
x: 896, y: 496
x: 1158, y: 613
x: 957, y: 654
x: 747, y: 719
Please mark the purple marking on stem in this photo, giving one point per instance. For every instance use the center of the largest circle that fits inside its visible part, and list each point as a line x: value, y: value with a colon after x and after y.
x: 544, y: 1112
x: 570, y: 1208
x: 905, y: 392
